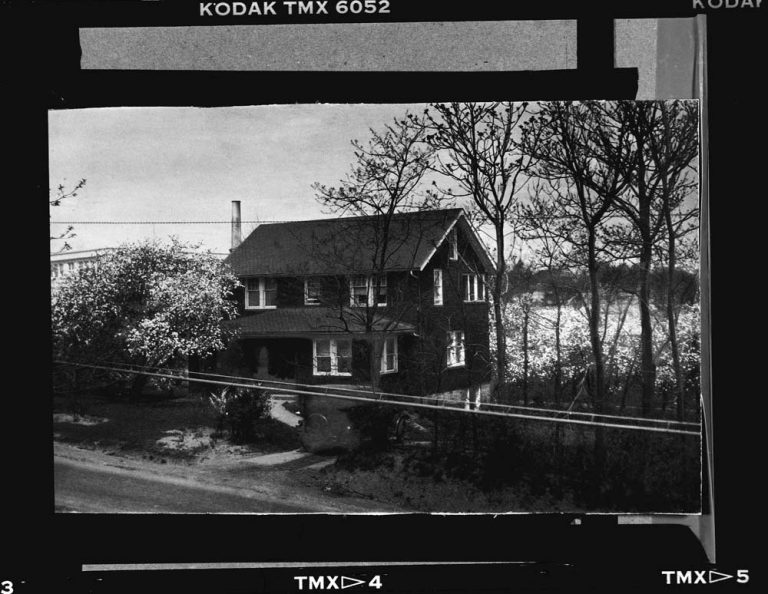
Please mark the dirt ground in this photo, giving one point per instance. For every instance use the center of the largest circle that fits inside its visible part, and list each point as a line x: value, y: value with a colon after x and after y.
x: 176, y: 439
x: 178, y: 430
x: 289, y: 479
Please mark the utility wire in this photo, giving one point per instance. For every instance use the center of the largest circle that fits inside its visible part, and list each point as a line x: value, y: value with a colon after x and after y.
x: 166, y: 222
x: 377, y: 393
x: 392, y: 402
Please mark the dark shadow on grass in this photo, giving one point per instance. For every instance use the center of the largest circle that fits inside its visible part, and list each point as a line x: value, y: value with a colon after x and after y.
x: 136, y: 427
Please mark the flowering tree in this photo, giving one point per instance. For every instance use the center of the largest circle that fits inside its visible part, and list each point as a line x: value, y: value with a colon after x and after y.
x: 146, y: 304
x: 535, y: 361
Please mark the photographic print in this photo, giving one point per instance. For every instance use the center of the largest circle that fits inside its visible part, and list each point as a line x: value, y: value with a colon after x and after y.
x: 321, y: 282
x: 487, y: 307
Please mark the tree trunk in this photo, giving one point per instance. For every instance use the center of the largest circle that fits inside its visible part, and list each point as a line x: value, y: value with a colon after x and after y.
x: 611, y: 364
x: 627, y: 382
x: 501, y: 343
x: 558, y: 352
x: 594, y: 331
x: 525, y: 356
x: 375, y: 362
x: 647, y: 365
x: 597, y: 353
x: 671, y: 322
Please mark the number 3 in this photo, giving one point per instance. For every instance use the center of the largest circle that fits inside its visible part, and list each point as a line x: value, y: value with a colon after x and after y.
x: 7, y: 587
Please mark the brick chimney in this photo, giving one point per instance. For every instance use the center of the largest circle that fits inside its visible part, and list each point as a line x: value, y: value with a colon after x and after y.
x: 237, y: 234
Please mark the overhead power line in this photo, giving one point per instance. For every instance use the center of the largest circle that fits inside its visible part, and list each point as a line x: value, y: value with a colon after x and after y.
x: 166, y: 222
x: 377, y: 393
x: 313, y: 391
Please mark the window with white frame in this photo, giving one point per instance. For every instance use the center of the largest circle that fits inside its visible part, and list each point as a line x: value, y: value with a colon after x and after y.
x: 260, y: 293
x: 312, y: 288
x: 389, y: 355
x: 455, y: 349
x: 358, y: 290
x: 438, y: 286
x: 453, y: 245
x: 473, y: 287
x: 332, y: 356
x: 368, y: 290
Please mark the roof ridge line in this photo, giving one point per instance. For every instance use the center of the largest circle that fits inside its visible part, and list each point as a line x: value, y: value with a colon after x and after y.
x: 359, y: 217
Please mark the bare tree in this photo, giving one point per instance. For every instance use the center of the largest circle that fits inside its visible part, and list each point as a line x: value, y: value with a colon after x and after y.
x: 477, y: 150
x: 663, y: 144
x: 384, y: 181
x: 561, y: 138
x: 538, y: 225
x: 522, y: 279
x: 673, y: 150
x: 55, y: 198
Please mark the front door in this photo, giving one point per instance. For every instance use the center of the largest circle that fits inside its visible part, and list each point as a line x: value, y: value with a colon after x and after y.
x: 262, y: 362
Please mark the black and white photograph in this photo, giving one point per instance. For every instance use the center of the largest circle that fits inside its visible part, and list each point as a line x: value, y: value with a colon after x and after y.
x: 483, y: 307
x: 376, y: 295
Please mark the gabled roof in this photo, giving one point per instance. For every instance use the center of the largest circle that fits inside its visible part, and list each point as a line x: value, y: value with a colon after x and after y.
x: 311, y: 320
x: 349, y: 244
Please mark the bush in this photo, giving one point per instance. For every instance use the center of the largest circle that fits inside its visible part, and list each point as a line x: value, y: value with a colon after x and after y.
x: 549, y: 464
x: 239, y: 409
x: 375, y: 423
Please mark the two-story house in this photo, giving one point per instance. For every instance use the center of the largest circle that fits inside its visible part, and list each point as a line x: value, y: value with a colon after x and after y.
x: 396, y: 302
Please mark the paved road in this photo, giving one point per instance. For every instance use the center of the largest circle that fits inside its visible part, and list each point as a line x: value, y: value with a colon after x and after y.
x: 90, y: 488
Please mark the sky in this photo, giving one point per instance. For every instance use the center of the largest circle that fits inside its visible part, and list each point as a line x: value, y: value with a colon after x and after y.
x: 164, y: 164
x: 189, y: 163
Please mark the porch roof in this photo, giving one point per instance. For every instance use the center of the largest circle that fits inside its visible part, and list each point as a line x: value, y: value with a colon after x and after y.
x: 313, y: 320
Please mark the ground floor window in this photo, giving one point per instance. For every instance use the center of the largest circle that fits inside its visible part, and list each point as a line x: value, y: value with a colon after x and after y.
x: 455, y: 349
x: 332, y: 356
x: 389, y: 355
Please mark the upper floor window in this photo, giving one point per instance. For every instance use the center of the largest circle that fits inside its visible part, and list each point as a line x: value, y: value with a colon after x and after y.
x: 260, y: 293
x: 438, y: 286
x: 368, y: 290
x: 473, y: 286
x: 389, y: 355
x: 332, y: 356
x: 453, y: 245
x: 312, y: 288
x: 455, y: 349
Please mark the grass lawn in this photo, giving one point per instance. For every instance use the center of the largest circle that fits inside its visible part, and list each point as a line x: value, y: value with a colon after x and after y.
x: 175, y: 430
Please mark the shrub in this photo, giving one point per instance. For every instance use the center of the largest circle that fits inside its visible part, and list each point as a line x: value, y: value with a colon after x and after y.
x: 375, y: 423
x: 640, y: 472
x: 239, y: 409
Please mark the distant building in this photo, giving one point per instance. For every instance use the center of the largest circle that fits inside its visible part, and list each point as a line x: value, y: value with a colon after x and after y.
x: 68, y: 262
